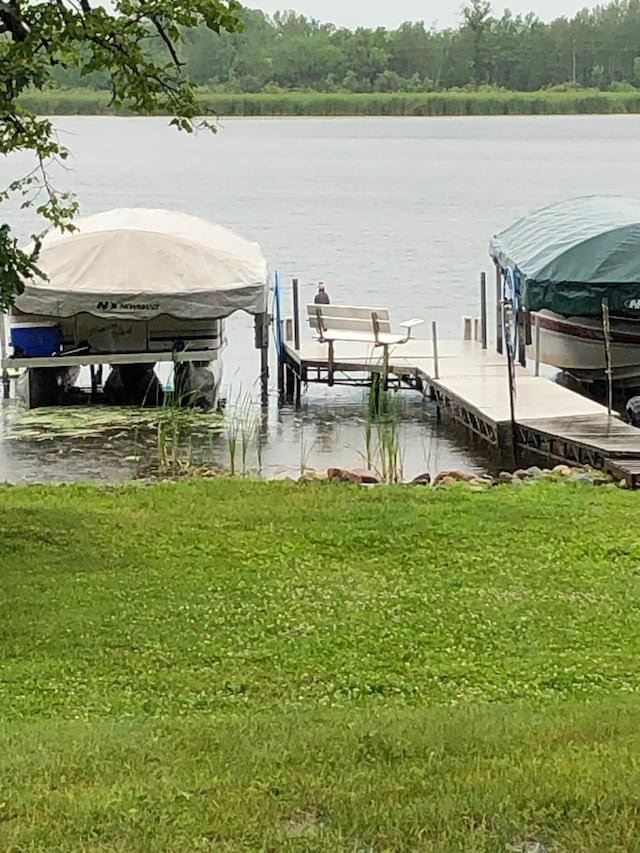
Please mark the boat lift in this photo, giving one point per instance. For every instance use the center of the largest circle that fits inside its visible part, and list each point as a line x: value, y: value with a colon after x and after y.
x: 133, y: 288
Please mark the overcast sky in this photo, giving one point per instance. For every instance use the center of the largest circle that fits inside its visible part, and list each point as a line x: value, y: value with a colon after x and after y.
x: 391, y: 13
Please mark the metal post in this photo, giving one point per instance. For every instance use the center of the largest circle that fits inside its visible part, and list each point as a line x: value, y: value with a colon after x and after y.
x: 499, y: 341
x: 288, y: 330
x: 385, y: 368
x: 262, y: 343
x: 331, y: 364
x: 522, y: 321
x: 280, y: 377
x: 436, y: 363
x: 296, y: 315
x: 537, y: 344
x: 6, y: 385
x: 606, y: 328
x: 511, y: 372
x: 290, y: 383
x: 483, y: 309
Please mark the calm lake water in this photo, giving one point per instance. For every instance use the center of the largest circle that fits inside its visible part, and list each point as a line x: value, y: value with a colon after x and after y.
x: 394, y: 212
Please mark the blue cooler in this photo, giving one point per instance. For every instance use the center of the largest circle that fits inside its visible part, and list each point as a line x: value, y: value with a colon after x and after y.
x: 30, y: 340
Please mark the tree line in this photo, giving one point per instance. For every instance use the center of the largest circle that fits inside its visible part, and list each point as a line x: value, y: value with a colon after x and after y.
x: 597, y: 48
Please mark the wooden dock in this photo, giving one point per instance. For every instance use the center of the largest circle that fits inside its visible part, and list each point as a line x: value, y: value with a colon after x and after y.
x: 470, y: 385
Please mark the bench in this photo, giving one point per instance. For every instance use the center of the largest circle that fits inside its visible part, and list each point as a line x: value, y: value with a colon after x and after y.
x: 349, y: 323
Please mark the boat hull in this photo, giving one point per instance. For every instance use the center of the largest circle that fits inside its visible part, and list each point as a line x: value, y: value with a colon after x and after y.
x: 577, y: 345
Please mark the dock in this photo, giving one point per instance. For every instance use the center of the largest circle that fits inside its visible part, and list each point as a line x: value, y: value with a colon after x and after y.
x: 470, y: 386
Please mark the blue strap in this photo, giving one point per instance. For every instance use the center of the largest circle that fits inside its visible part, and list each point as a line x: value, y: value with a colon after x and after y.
x: 277, y: 314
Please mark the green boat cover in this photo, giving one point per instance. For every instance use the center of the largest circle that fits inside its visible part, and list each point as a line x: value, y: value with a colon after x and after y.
x: 570, y: 256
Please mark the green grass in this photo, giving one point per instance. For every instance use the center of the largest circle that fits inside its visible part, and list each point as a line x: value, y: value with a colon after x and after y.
x: 229, y: 665
x: 587, y: 101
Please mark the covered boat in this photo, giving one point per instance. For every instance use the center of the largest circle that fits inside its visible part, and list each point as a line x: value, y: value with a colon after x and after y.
x: 566, y: 260
x: 133, y: 287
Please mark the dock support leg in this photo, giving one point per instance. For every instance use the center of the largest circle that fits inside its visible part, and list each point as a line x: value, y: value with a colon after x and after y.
x: 376, y: 394
x: 499, y: 343
x: 290, y: 381
x: 434, y: 338
x: 262, y: 343
x: 385, y: 368
x: 523, y: 338
x: 331, y: 362
x: 303, y: 379
x: 96, y: 379
x: 298, y: 390
x: 296, y: 315
x: 537, y: 345
x: 6, y: 385
x: 281, y: 373
x: 483, y: 309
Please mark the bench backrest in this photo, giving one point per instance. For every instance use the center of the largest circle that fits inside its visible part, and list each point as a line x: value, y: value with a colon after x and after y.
x: 347, y: 318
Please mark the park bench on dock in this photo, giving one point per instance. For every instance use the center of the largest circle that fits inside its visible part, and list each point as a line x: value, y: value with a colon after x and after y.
x: 350, y: 323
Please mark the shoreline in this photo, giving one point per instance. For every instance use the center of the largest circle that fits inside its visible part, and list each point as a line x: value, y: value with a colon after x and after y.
x: 345, y: 105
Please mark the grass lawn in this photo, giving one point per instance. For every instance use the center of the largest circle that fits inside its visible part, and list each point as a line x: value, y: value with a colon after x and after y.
x: 229, y: 665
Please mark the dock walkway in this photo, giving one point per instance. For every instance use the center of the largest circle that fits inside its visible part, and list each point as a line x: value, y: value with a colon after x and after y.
x: 470, y: 385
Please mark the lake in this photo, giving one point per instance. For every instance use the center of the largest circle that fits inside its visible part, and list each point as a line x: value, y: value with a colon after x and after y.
x: 395, y: 212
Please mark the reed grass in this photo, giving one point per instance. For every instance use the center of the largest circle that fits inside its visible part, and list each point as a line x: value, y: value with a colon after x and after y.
x: 451, y: 103
x: 383, y: 435
x: 243, y: 432
x: 174, y: 446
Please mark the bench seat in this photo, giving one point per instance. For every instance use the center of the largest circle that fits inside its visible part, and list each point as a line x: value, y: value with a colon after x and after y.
x: 351, y: 323
x: 382, y: 339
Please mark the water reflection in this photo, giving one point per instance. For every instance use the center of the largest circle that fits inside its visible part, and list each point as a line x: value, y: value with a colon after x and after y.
x: 324, y: 432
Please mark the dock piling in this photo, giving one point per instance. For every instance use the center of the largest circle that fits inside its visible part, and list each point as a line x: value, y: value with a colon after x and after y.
x: 434, y: 337
x: 296, y: 314
x: 288, y: 330
x: 483, y: 309
x: 262, y: 343
x: 511, y: 376
x: 280, y: 378
x: 606, y: 328
x: 524, y: 336
x: 6, y: 384
x: 499, y: 318
x: 290, y: 383
x: 467, y: 329
x: 537, y: 345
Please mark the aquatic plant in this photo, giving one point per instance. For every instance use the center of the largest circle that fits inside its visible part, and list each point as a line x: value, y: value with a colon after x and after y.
x: 383, y: 434
x: 243, y: 431
x: 448, y: 103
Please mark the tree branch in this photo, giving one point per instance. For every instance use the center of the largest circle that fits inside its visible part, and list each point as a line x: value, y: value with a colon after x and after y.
x: 12, y: 21
x: 165, y: 38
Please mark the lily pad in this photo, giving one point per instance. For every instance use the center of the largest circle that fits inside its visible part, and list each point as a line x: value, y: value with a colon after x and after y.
x: 90, y: 421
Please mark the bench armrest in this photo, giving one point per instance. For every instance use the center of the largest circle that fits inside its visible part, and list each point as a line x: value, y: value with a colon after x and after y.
x: 409, y: 326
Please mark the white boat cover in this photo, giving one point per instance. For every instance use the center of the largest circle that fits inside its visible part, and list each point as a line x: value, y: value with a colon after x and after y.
x: 140, y: 263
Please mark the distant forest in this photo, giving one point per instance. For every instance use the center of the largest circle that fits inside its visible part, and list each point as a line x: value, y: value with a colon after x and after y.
x: 290, y: 52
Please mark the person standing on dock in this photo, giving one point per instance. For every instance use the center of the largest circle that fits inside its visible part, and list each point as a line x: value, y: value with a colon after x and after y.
x: 322, y: 297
